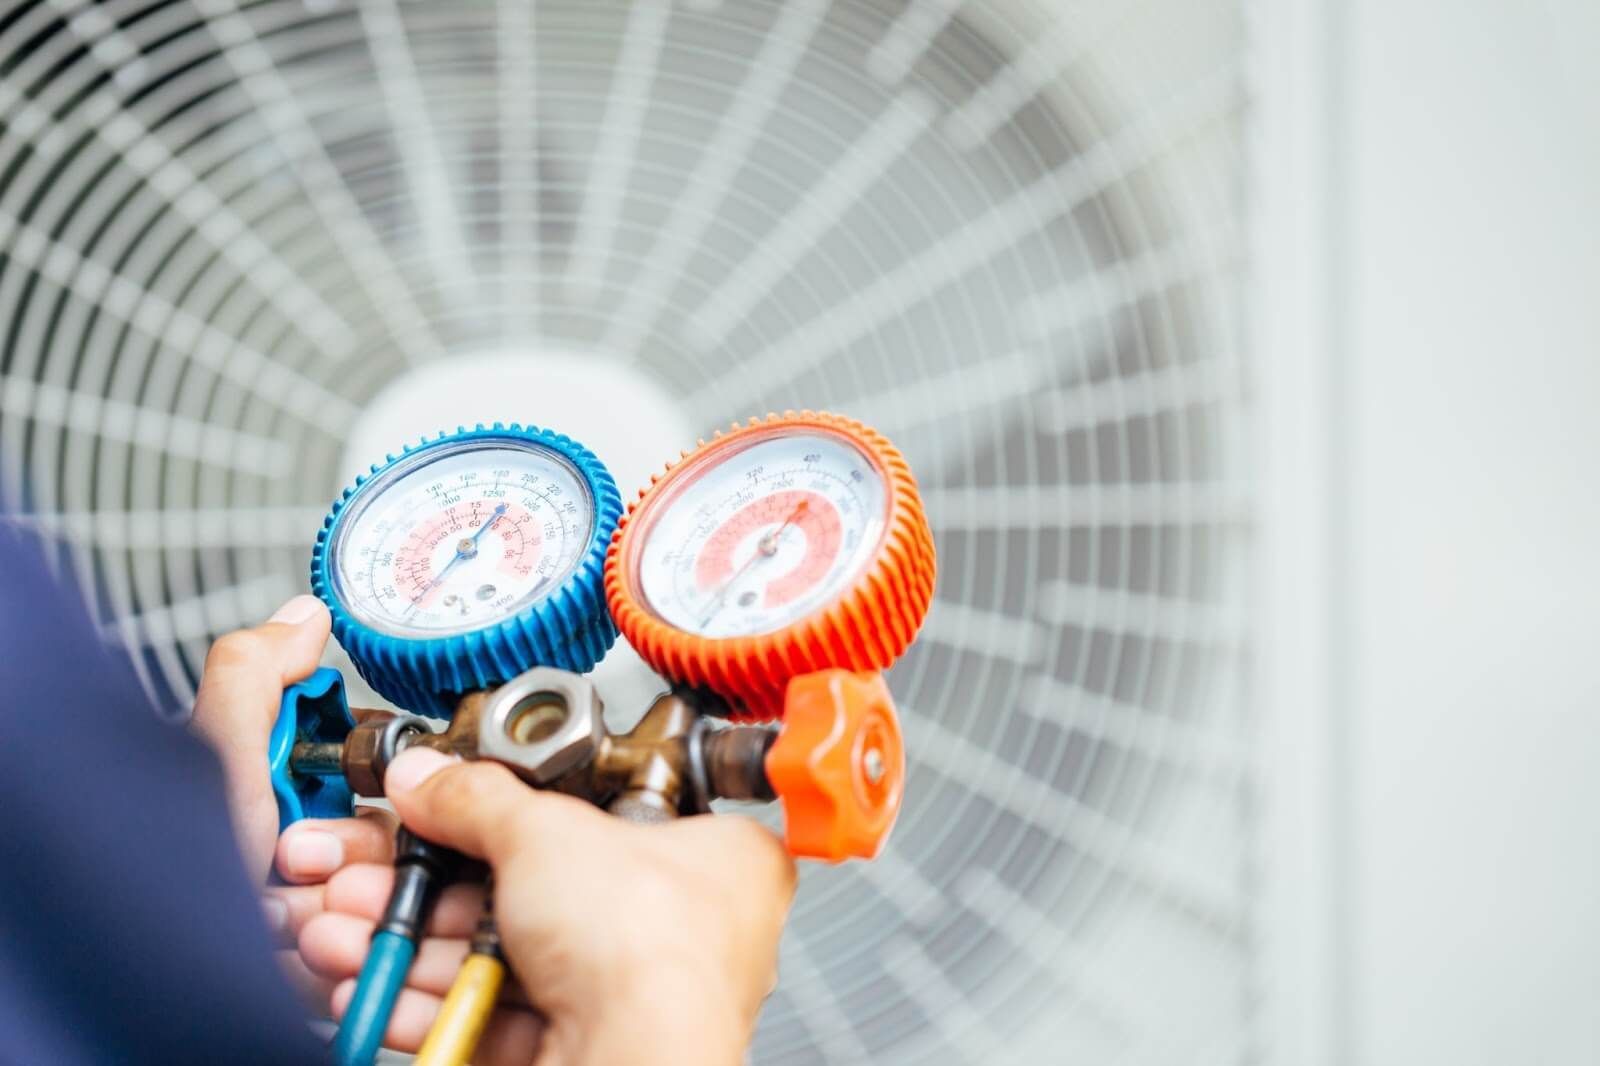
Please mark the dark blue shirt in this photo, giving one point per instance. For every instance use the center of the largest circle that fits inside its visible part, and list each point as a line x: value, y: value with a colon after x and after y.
x: 129, y: 929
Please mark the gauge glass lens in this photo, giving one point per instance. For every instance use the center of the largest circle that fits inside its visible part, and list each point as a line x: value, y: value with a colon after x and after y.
x: 761, y: 537
x: 454, y: 539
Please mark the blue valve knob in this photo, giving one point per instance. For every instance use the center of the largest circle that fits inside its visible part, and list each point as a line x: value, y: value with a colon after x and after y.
x: 314, y: 709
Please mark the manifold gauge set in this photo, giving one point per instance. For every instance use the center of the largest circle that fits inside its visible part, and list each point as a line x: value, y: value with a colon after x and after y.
x: 769, y: 577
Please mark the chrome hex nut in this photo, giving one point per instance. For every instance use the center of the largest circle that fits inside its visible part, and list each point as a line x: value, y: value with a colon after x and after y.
x: 542, y: 724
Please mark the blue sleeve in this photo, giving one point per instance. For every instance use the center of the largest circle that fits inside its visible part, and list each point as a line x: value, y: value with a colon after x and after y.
x: 129, y: 930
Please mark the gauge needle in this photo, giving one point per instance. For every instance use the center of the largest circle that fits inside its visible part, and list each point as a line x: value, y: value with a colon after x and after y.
x: 466, y: 548
x: 766, y: 548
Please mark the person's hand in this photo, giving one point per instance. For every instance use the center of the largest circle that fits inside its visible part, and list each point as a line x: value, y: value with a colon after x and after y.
x: 243, y: 681
x: 629, y: 943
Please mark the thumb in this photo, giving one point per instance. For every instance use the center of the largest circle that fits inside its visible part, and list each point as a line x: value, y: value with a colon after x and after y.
x: 479, y: 808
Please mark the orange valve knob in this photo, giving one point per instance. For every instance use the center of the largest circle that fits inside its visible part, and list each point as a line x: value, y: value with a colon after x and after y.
x: 838, y: 765
x: 790, y: 544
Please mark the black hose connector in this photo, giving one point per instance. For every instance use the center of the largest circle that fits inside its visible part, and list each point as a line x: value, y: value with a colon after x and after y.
x: 421, y: 871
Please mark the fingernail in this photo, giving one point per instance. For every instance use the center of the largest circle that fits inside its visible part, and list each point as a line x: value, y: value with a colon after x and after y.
x: 412, y: 767
x: 312, y: 853
x: 300, y: 609
x: 277, y: 912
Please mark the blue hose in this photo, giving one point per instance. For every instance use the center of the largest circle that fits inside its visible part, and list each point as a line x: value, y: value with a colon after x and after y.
x: 382, y: 977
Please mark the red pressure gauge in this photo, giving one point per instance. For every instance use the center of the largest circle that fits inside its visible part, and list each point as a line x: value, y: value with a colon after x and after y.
x: 788, y: 545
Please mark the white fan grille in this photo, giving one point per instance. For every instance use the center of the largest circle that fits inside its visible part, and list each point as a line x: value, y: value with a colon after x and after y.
x: 1008, y: 236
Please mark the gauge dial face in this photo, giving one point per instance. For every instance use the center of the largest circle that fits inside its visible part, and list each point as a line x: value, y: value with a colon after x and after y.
x: 757, y: 538
x: 456, y: 538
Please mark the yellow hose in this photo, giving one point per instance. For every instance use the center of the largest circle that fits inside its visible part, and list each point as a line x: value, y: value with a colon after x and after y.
x: 455, y: 1033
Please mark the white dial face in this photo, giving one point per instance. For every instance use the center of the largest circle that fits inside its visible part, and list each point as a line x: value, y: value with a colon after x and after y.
x: 763, y: 536
x: 457, y: 538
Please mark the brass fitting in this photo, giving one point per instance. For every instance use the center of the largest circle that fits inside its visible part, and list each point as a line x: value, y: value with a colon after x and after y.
x: 371, y: 745
x: 547, y: 726
x: 647, y: 765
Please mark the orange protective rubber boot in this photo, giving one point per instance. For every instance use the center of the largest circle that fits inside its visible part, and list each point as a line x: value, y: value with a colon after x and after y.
x: 838, y: 765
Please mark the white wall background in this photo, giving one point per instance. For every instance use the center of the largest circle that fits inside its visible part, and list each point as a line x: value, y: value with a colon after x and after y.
x: 1472, y: 371
x: 1439, y: 234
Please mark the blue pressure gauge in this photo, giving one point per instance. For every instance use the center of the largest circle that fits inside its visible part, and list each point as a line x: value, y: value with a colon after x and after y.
x: 468, y: 560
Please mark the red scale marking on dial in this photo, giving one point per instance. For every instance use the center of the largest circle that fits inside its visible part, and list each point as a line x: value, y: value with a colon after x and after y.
x: 810, y: 512
x: 514, y: 541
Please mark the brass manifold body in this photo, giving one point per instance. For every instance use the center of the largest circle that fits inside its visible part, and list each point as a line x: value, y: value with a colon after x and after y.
x: 547, y: 726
